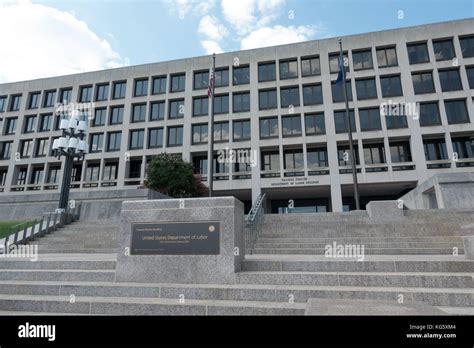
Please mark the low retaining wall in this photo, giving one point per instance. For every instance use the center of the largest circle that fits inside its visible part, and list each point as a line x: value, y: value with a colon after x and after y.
x: 442, y: 191
x: 95, y: 205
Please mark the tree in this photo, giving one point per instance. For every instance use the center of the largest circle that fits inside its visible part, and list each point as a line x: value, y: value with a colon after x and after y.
x: 171, y: 175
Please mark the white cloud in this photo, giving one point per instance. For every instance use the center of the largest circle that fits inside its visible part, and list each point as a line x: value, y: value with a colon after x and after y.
x: 212, y: 28
x: 277, y: 35
x: 44, y: 41
x: 185, y: 7
x: 248, y: 15
x: 211, y: 47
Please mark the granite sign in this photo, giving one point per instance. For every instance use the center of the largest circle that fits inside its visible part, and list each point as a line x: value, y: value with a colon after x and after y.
x: 175, y: 238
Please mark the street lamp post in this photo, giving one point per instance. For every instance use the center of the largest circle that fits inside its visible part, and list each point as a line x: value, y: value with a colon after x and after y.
x: 71, y: 145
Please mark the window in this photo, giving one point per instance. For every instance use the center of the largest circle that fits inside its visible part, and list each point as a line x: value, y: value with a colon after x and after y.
x: 221, y: 104
x: 201, y: 106
x: 137, y: 137
x: 269, y: 127
x: 175, y: 136
x: 423, y: 82
x: 138, y: 112
x: 463, y: 146
x: 266, y: 72
x: 310, y: 66
x: 33, y: 103
x: 370, y: 119
x: 270, y: 161
x: 267, y: 99
x: 5, y: 149
x: 119, y: 89
x: 470, y: 76
x: 418, y: 53
x: 467, y: 46
x: 241, y: 130
x: 345, y: 157
x: 338, y: 91
x: 53, y: 174
x: 42, y: 147
x: 387, y: 56
x: 456, y: 111
x: 102, y: 92
x: 400, y: 152
x: 159, y: 85
x: 291, y: 126
x: 362, y: 60
x: 46, y: 122
x: 141, y: 87
x: 85, y: 95
x: 435, y: 149
x: 391, y: 86
x: 450, y: 80
x: 288, y: 69
x: 396, y: 122
x: 30, y: 124
x: 21, y: 178
x: 314, y: 124
x: 178, y: 82
x: 201, y: 79
x: 37, y: 176
x: 110, y: 171
x: 65, y: 96
x: 100, y: 115
x: 443, y: 49
x: 221, y: 132
x: 135, y: 168
x: 241, y: 75
x: 3, y: 176
x: 340, y: 120
x: 25, y: 148
x: 374, y: 153
x: 11, y: 126
x: 290, y: 96
x: 155, y: 138
x: 199, y: 133
x: 176, y: 108
x: 312, y: 94
x: 3, y: 101
x: 293, y: 159
x: 334, y: 62
x: 116, y: 114
x: 366, y: 89
x: 241, y: 102
x: 317, y: 157
x: 113, y: 141
x: 157, y: 111
x: 429, y: 114
x: 92, y: 172
x: 15, y: 102
x: 221, y: 77
x: 96, y: 142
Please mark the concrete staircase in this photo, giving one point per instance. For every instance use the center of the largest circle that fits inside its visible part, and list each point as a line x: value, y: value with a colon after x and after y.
x: 76, y: 270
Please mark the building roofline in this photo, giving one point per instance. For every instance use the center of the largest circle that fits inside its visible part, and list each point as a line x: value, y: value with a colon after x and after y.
x: 433, y: 24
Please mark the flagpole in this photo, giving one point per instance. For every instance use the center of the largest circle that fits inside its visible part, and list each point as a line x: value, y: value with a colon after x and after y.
x: 351, y: 145
x: 210, y: 133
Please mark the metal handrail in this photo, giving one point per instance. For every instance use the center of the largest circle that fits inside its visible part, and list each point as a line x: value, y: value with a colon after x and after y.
x: 252, y: 222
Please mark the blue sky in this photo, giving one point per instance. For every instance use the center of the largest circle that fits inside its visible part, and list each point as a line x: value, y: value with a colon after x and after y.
x: 107, y: 34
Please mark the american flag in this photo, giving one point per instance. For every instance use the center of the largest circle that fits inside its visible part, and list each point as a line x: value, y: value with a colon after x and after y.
x: 211, y: 83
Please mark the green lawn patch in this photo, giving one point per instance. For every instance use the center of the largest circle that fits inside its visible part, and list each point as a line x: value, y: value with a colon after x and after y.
x: 6, y: 227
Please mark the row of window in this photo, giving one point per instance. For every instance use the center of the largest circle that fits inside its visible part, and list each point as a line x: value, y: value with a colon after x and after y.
x: 288, y: 69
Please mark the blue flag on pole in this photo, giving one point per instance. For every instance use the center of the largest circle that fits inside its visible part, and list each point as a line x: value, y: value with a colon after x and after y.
x: 341, y: 75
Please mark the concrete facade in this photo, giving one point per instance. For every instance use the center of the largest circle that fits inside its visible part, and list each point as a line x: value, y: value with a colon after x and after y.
x: 323, y: 186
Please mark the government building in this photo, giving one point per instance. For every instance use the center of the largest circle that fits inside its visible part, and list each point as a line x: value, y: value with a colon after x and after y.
x: 280, y: 102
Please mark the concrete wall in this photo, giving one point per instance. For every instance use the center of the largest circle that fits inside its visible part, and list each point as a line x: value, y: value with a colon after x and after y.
x: 443, y: 191
x: 95, y: 205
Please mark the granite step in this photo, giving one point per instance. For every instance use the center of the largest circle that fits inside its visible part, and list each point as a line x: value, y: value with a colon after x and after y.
x: 244, y: 293
x: 387, y: 245
x: 58, y: 265
x: 58, y: 274
x: 73, y: 249
x: 145, y: 306
x: 367, y: 251
x: 376, y: 279
x: 360, y: 240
